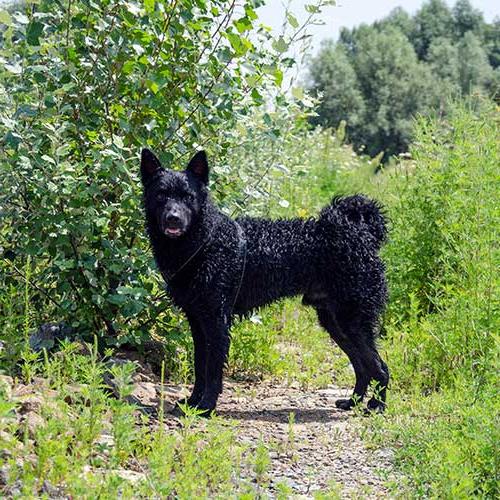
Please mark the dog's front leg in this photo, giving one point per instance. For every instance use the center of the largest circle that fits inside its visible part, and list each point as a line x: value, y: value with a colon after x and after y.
x: 200, y: 364
x: 216, y: 333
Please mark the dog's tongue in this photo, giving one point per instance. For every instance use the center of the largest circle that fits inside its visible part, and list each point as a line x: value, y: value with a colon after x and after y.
x: 173, y: 230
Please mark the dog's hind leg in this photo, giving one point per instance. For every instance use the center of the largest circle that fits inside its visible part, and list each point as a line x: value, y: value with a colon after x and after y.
x: 360, y: 328
x: 329, y: 322
x: 355, y: 337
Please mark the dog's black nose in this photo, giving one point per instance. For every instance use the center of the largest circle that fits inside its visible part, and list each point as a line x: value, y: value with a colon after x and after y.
x: 173, y: 219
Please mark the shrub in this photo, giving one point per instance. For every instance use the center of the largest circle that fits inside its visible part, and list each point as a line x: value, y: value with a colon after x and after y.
x: 441, y: 332
x: 442, y: 257
x: 82, y: 88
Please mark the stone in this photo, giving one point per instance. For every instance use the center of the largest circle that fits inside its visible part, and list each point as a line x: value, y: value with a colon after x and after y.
x: 31, y: 422
x: 129, y: 475
x: 145, y: 393
x: 30, y: 403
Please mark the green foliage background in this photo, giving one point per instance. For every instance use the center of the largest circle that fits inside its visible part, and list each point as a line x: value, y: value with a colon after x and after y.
x: 378, y: 77
x: 443, y: 320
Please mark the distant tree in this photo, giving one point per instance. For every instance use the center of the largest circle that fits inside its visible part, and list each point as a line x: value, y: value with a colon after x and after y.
x: 475, y: 70
x: 467, y: 18
x: 443, y: 62
x: 443, y: 59
x: 405, y: 65
x: 395, y: 87
x: 398, y: 18
x: 334, y: 78
x: 493, y: 86
x: 433, y: 20
x: 492, y: 42
x: 349, y: 38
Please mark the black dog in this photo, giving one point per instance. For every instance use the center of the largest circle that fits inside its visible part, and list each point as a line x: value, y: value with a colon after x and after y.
x: 215, y: 267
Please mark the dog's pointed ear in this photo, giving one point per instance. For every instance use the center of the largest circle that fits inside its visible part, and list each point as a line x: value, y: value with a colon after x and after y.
x: 198, y: 166
x: 149, y: 165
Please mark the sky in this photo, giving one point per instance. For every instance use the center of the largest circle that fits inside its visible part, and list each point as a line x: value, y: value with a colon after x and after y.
x: 351, y: 13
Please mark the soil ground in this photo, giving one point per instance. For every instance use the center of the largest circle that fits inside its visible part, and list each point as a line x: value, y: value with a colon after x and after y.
x: 314, y: 446
x: 314, y: 449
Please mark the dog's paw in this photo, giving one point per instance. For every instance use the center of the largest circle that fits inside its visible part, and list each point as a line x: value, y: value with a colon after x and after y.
x: 200, y: 408
x: 205, y: 408
x: 345, y: 404
x: 192, y: 401
x: 179, y: 408
x: 374, y: 406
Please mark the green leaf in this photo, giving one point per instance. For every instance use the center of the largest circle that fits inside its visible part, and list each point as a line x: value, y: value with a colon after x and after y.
x: 153, y: 86
x: 14, y: 68
x: 243, y: 24
x: 128, y: 67
x: 278, y: 77
x: 33, y: 32
x: 280, y: 45
x: 149, y: 5
x: 292, y: 20
x: 48, y: 159
x: 298, y: 93
x: 312, y: 9
x: 5, y: 18
x: 239, y: 44
x: 21, y: 18
x: 257, y: 97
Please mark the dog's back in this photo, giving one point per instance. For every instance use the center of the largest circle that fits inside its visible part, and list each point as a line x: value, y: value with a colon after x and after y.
x: 314, y: 257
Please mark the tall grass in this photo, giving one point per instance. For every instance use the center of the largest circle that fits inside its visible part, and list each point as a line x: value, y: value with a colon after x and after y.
x: 441, y: 328
x: 442, y: 324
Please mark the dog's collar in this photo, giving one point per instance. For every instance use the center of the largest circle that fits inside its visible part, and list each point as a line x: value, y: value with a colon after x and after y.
x: 171, y: 276
x: 242, y: 246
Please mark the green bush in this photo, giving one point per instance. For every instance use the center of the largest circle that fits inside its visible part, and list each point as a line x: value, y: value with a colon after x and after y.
x: 442, y: 259
x: 82, y: 89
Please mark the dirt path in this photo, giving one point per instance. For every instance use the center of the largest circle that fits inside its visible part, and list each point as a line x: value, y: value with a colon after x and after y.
x: 317, y: 448
x: 310, y: 444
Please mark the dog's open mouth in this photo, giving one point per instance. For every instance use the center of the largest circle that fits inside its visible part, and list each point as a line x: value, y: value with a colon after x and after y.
x: 173, y: 231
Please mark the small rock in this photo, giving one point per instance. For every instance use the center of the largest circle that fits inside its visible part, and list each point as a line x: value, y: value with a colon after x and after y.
x: 105, y: 439
x: 31, y: 403
x: 32, y: 421
x: 4, y: 475
x: 21, y: 390
x: 145, y: 393
x: 5, y: 379
x: 129, y: 475
x: 51, y: 490
x: 39, y: 381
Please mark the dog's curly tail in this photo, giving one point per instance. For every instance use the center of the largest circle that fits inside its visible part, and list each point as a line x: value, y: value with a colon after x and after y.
x: 360, y: 209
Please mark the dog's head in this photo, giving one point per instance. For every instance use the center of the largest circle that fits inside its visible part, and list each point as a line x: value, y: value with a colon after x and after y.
x: 173, y: 199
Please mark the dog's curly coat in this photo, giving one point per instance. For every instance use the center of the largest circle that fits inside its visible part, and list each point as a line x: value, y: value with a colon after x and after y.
x: 215, y: 267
